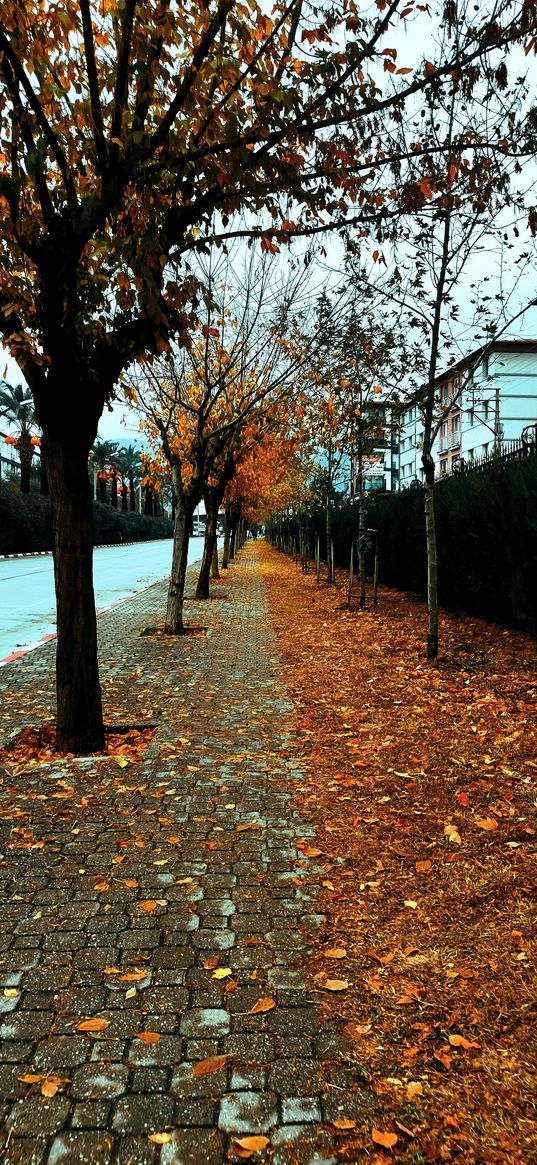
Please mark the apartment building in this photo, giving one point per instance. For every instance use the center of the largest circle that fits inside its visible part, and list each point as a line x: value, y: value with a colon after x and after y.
x: 489, y: 399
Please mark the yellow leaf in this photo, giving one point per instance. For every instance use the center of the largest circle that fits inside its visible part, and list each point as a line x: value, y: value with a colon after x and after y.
x: 414, y: 1088
x: 159, y: 1138
x: 122, y: 761
x: 387, y: 1140
x: 335, y: 985
x: 148, y: 1037
x: 221, y: 973
x: 96, y: 1024
x: 411, y: 903
x: 130, y: 993
x: 10, y: 992
x: 265, y: 1004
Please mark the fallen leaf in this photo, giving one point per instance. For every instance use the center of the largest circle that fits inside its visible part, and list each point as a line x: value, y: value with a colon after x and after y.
x: 460, y: 1042
x: 101, y: 886
x: 121, y: 761
x: 343, y: 1124
x: 134, y: 976
x: 251, y: 825
x: 159, y: 1138
x: 265, y: 1004
x: 96, y: 1024
x: 335, y: 985
x: 387, y: 1140
x: 335, y: 953
x: 148, y: 1037
x: 414, y: 1088
x: 49, y: 1088
x: 411, y: 903
x: 452, y: 833
x: 309, y: 851
x: 210, y: 1065
x: 148, y: 906
x: 404, y: 1128
x: 254, y: 1144
x: 130, y: 993
x: 423, y: 867
x: 130, y: 883
x: 211, y: 962
x: 10, y: 992
x: 486, y: 823
x: 222, y: 973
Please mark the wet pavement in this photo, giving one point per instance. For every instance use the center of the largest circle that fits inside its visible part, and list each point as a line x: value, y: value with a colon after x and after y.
x: 167, y: 907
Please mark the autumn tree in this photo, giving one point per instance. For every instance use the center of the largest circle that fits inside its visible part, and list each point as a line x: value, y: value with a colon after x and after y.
x: 125, y: 129
x: 202, y: 402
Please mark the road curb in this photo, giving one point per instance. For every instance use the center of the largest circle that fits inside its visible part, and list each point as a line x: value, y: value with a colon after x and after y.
x: 48, y: 553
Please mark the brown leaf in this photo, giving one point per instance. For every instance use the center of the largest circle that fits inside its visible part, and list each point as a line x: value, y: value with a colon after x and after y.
x: 335, y: 985
x: 486, y: 823
x: 148, y: 1037
x: 414, y: 1088
x: 309, y: 851
x: 253, y: 1144
x: 149, y: 905
x: 250, y: 825
x: 335, y: 953
x: 210, y: 1065
x: 134, y: 976
x: 404, y: 1128
x: 96, y: 1024
x: 101, y: 886
x: 423, y: 867
x: 343, y: 1124
x: 212, y: 962
x: 49, y: 1087
x: 130, y: 883
x: 460, y: 1042
x: 264, y: 1004
x: 387, y: 1140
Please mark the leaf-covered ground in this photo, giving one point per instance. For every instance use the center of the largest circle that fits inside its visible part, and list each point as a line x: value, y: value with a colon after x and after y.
x: 422, y: 778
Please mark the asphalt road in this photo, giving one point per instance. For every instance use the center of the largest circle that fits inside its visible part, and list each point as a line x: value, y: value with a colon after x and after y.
x: 27, y: 603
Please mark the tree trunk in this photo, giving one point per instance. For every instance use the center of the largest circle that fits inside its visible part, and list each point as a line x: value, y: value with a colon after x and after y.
x: 184, y: 512
x: 124, y: 497
x: 80, y: 717
x: 432, y: 567
x: 329, y: 563
x: 43, y: 478
x: 26, y: 452
x: 361, y: 546
x: 102, y: 488
x: 148, y: 501
x: 132, y: 495
x: 233, y: 536
x: 227, y: 538
x: 215, y: 573
x: 114, y: 491
x: 213, y: 498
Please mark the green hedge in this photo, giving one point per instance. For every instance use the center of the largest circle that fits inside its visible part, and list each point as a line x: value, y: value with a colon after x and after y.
x: 26, y: 524
x: 486, y: 540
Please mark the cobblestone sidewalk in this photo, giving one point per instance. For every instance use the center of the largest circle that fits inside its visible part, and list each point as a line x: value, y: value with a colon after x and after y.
x: 166, y: 899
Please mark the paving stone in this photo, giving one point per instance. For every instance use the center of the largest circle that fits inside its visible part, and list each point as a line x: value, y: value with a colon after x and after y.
x: 301, y: 1109
x: 193, y: 1147
x: 98, y: 1081
x: 356, y: 1106
x: 37, y: 1114
x: 242, y: 889
x: 248, y: 1112
x: 133, y: 1114
x: 81, y: 1148
x: 205, y: 1021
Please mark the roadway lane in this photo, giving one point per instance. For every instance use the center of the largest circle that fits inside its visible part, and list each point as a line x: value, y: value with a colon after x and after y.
x: 27, y: 603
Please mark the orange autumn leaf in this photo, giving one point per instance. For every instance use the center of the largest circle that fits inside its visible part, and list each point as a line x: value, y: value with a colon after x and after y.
x: 212, y: 962
x: 335, y: 985
x: 264, y: 1004
x: 423, y: 867
x: 159, y: 1138
x: 335, y: 953
x: 254, y: 1144
x: 130, y: 883
x: 344, y: 1124
x: 148, y: 906
x: 460, y: 1042
x: 134, y: 976
x: 488, y: 823
x: 387, y: 1140
x: 148, y: 1037
x: 96, y: 1024
x: 209, y: 1065
x: 49, y: 1088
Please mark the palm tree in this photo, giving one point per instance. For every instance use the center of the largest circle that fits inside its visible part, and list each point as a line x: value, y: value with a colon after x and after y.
x: 17, y: 406
x: 102, y: 455
x: 127, y: 463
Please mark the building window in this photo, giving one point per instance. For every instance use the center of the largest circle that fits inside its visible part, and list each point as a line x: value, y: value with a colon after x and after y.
x: 470, y: 416
x: 443, y: 467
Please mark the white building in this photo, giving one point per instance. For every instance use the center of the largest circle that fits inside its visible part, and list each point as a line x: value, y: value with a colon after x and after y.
x: 490, y: 398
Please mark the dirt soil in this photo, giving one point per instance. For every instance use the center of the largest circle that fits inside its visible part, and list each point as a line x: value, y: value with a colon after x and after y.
x: 421, y: 781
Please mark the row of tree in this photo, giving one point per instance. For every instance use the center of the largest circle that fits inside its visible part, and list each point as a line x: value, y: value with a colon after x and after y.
x: 136, y: 137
